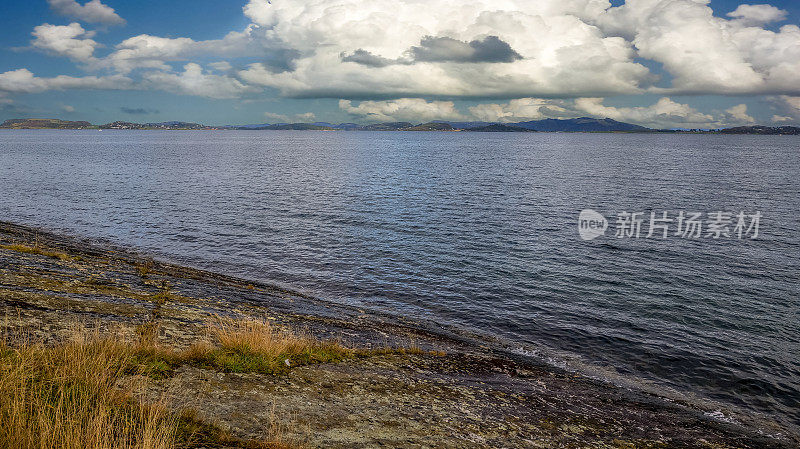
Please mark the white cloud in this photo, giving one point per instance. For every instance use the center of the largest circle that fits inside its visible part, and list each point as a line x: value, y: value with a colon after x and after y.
x: 93, y: 11
x: 350, y: 48
x: 758, y: 15
x: 71, y: 41
x: 67, y: 108
x: 553, y: 50
x: 304, y: 117
x: 708, y: 54
x: 665, y: 113
x: 146, y: 51
x: 221, y: 66
x: 403, y: 109
x: 194, y: 81
x: 24, y: 81
x: 737, y: 115
x: 788, y: 108
x: 518, y: 110
x: 516, y: 50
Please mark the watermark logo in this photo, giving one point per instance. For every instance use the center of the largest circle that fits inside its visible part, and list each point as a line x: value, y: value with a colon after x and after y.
x: 662, y: 225
x: 591, y: 224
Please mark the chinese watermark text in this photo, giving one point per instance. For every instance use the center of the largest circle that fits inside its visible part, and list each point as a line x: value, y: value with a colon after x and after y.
x: 665, y: 224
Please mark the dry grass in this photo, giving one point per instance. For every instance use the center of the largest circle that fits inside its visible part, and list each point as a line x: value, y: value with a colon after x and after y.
x: 239, y: 346
x: 36, y: 249
x: 72, y: 395
x: 69, y: 395
x: 276, y: 348
x: 65, y: 397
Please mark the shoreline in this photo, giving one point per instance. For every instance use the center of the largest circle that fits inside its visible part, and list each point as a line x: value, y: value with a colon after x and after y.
x: 725, y: 132
x: 484, y: 394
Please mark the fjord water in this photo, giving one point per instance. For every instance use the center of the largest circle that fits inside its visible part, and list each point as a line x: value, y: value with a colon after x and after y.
x: 469, y: 230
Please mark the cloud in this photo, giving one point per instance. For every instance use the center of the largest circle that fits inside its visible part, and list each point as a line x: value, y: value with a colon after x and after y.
x: 758, y: 15
x: 147, y: 51
x: 71, y: 41
x: 477, y: 49
x: 221, y: 66
x: 665, y: 113
x: 521, y: 109
x: 93, y: 11
x: 446, y: 49
x: 138, y: 111
x: 296, y: 118
x: 366, y: 58
x: 194, y: 81
x: 549, y: 48
x: 737, y: 115
x: 403, y: 109
x: 373, y: 49
x: 706, y: 54
x: 67, y: 108
x: 788, y: 108
x: 490, y: 49
x: 24, y: 81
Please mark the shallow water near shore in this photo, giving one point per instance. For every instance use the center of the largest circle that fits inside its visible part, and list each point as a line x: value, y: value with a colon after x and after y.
x: 474, y: 231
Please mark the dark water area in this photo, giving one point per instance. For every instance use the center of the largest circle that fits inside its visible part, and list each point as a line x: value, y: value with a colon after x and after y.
x: 469, y: 230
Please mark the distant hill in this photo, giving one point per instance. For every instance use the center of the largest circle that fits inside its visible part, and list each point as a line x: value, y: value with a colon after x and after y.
x: 500, y: 128
x: 392, y: 126
x: 344, y: 126
x: 294, y: 126
x: 763, y: 130
x: 431, y: 126
x: 43, y: 123
x: 583, y: 124
x: 260, y: 125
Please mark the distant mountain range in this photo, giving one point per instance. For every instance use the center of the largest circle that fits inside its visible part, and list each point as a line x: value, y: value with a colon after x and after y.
x: 583, y: 124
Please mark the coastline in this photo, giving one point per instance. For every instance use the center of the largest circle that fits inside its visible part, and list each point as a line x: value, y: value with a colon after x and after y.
x: 582, y: 124
x: 447, y: 393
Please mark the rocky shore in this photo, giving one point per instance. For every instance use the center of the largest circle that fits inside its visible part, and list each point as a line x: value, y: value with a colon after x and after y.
x: 412, y: 388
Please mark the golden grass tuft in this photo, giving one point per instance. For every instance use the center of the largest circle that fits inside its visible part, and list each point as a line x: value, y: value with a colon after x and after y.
x: 65, y: 397
x: 69, y: 396
x: 73, y: 395
x: 251, y: 345
x: 36, y: 249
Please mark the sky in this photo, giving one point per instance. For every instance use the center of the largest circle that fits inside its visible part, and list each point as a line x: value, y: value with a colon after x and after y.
x: 656, y: 63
